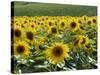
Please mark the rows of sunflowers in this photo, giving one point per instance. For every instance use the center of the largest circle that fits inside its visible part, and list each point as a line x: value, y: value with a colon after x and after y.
x: 53, y: 43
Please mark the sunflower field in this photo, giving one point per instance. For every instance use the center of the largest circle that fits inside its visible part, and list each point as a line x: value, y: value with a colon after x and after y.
x: 53, y: 43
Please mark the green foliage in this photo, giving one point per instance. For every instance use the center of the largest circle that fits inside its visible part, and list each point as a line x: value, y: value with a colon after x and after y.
x: 48, y: 9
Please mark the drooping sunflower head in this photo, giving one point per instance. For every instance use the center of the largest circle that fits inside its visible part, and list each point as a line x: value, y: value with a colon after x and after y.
x: 81, y: 41
x: 57, y: 53
x: 21, y: 48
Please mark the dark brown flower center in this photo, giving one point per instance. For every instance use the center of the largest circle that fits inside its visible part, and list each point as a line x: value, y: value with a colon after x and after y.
x: 17, y: 33
x: 79, y: 21
x: 43, y: 19
x: 50, y: 23
x: 89, y: 22
x: 73, y: 24
x: 62, y: 24
x: 20, y: 49
x: 57, y: 51
x: 41, y: 23
x: 94, y: 21
x: 34, y: 21
x: 84, y: 18
x: 32, y: 26
x: 82, y: 27
x: 54, y: 30
x: 38, y: 23
x: 29, y: 35
x: 22, y: 26
x: 25, y: 21
x: 47, y: 18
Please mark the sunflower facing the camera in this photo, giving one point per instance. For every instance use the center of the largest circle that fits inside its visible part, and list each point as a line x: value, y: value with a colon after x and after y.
x: 57, y: 53
x: 17, y: 33
x: 73, y: 25
x: 21, y: 48
x: 29, y: 35
x: 53, y: 30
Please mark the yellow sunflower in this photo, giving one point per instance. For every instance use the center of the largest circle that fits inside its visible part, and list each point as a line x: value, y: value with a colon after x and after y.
x: 62, y: 23
x: 57, y: 53
x: 32, y: 25
x: 17, y: 32
x: 53, y: 30
x: 81, y: 41
x: 17, y: 23
x: 50, y: 23
x: 94, y: 20
x: 29, y: 35
x: 73, y: 25
x: 21, y: 48
x: 89, y: 22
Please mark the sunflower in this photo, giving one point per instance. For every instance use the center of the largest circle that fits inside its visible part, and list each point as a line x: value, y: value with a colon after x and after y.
x: 17, y: 23
x: 62, y: 24
x: 50, y: 23
x: 74, y: 25
x: 32, y: 25
x: 46, y: 17
x: 17, y: 32
x: 43, y: 23
x: 57, y: 53
x: 29, y: 35
x: 38, y: 23
x: 53, y: 30
x: 81, y: 41
x: 43, y: 18
x: 26, y: 21
x: 21, y: 48
x: 89, y: 22
x: 81, y: 20
x: 94, y: 20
